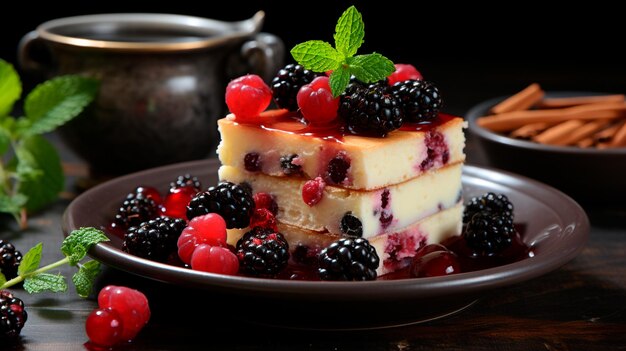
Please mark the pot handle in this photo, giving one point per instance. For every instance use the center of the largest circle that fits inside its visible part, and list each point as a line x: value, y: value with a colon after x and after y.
x: 265, y: 55
x: 32, y: 54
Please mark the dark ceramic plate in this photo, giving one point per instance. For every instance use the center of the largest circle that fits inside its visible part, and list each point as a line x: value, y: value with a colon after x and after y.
x: 555, y: 225
x: 591, y: 176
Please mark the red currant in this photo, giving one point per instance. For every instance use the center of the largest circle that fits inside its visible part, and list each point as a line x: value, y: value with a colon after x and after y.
x: 265, y: 200
x: 316, y: 102
x: 214, y: 259
x: 262, y: 217
x: 151, y: 193
x: 313, y: 190
x: 104, y: 327
x: 404, y: 72
x: 435, y: 264
x: 206, y: 229
x: 247, y: 97
x: 176, y: 201
x: 131, y: 305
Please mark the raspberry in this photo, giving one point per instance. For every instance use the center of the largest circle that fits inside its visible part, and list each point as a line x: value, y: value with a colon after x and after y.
x: 263, y: 218
x: 136, y: 209
x: 13, y: 316
x: 287, y: 83
x: 420, y: 100
x: 176, y: 201
x: 313, y: 190
x: 131, y: 305
x: 491, y: 202
x: 265, y: 200
x: 154, y: 240
x: 10, y: 259
x: 247, y: 97
x: 262, y: 252
x: 404, y: 72
x: 233, y: 202
x: 316, y: 102
x: 186, y: 180
x: 206, y: 229
x: 488, y: 233
x: 214, y: 259
x: 104, y: 327
x: 348, y: 259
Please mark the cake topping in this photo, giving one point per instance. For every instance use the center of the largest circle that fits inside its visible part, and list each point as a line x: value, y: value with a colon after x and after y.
x: 372, y: 110
x: 247, y: 97
x: 287, y: 83
x: 420, y: 100
x: 404, y: 72
x: 316, y: 102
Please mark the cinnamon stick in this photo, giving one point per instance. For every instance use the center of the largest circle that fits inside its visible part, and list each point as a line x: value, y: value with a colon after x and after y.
x: 584, y: 131
x: 523, y: 100
x: 557, y: 134
x: 619, y: 139
x: 528, y: 131
x: 578, y: 100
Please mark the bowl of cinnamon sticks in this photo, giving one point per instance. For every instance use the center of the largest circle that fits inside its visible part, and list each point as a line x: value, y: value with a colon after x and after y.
x: 574, y: 141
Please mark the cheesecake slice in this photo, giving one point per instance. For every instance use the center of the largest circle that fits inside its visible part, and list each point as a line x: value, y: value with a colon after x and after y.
x: 281, y: 145
x: 395, y: 248
x: 379, y: 211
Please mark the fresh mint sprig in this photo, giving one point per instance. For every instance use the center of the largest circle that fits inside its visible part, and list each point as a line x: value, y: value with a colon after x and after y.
x: 75, y: 248
x: 31, y: 176
x: 320, y: 56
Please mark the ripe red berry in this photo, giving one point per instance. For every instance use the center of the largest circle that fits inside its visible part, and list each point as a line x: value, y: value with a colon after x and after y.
x: 435, y: 264
x: 404, y: 72
x: 104, y: 327
x: 313, y: 190
x: 247, y: 97
x: 316, y: 102
x: 265, y: 200
x: 262, y: 217
x: 130, y: 305
x: 176, y: 201
x: 426, y: 249
x: 206, y: 229
x: 214, y: 259
x: 151, y: 193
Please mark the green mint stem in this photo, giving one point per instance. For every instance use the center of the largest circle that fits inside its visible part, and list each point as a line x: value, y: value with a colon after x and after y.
x: 43, y: 269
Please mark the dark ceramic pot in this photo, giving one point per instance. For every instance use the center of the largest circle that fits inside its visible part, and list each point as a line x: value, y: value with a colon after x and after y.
x: 162, y: 82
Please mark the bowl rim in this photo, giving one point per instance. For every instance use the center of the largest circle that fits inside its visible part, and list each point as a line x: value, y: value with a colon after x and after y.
x: 479, y: 109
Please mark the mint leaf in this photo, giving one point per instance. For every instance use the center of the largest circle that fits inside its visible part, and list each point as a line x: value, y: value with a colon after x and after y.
x: 349, y: 32
x: 42, y: 157
x: 56, y: 101
x: 12, y: 204
x: 31, y: 260
x: 3, y: 279
x: 76, y: 245
x: 370, y: 68
x: 10, y: 87
x: 339, y: 80
x: 5, y: 140
x: 45, y: 282
x: 317, y: 56
x: 85, y: 277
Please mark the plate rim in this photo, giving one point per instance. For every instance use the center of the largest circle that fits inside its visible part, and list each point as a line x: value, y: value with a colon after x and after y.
x: 412, y: 288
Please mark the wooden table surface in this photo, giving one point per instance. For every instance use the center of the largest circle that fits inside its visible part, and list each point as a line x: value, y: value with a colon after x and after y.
x: 581, y: 306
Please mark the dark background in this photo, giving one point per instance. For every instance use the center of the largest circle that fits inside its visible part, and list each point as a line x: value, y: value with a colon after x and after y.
x: 472, y: 50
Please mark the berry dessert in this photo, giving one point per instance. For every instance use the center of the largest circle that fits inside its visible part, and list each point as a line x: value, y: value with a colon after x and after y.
x: 12, y: 315
x: 346, y: 155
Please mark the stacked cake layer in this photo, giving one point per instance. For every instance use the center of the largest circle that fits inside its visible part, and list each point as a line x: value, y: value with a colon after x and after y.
x: 400, y: 192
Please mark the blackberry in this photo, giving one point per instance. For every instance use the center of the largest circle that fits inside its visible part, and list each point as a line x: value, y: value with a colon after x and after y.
x: 155, y: 239
x: 136, y: 209
x: 490, y: 202
x: 10, y: 259
x: 356, y: 84
x: 420, y: 99
x: 233, y: 202
x: 488, y: 233
x: 337, y: 169
x: 262, y: 252
x: 348, y: 259
x: 13, y: 316
x: 287, y: 83
x: 371, y: 110
x: 351, y: 225
x: 186, y: 180
x: 288, y: 167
